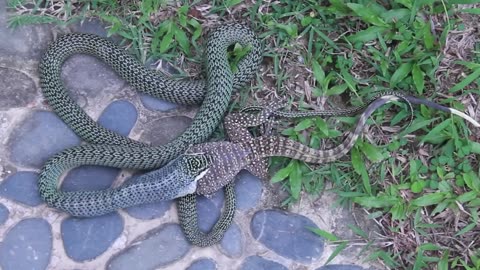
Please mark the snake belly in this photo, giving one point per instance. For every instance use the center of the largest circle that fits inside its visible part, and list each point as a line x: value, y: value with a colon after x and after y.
x: 111, y: 149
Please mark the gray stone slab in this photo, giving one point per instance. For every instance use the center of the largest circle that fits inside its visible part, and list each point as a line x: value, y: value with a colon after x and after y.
x: 120, y: 116
x: 203, y: 264
x: 149, y: 210
x: 156, y: 104
x: 164, y: 130
x: 88, y: 79
x: 287, y: 235
x: 28, y: 245
x: 18, y: 90
x: 41, y: 135
x: 89, y: 178
x: 248, y: 190
x: 340, y: 267
x: 28, y: 41
x: 157, y: 248
x: 86, y: 238
x: 22, y: 187
x: 208, y: 213
x: 3, y: 214
x: 232, y: 242
x: 90, y: 26
x: 259, y: 263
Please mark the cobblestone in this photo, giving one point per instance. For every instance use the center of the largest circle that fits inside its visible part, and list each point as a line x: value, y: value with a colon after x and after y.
x: 287, y: 234
x: 28, y: 245
x: 21, y: 187
x: 86, y: 238
x: 157, y: 248
x: 34, y: 236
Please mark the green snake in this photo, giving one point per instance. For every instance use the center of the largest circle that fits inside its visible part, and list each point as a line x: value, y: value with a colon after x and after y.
x: 107, y: 148
x: 247, y: 152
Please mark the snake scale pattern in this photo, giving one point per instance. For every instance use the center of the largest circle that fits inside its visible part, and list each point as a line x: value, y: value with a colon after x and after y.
x: 107, y: 148
x: 247, y: 152
x: 181, y: 173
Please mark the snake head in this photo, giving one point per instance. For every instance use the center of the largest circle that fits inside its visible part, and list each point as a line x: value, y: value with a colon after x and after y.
x: 196, y: 164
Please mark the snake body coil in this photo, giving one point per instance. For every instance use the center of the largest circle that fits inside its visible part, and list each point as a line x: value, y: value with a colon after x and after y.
x: 113, y: 150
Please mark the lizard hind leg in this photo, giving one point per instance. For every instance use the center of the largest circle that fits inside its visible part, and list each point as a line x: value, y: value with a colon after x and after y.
x: 259, y: 168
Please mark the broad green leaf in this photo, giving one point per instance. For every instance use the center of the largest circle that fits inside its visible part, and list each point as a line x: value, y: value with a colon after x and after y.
x: 291, y: 29
x: 429, y: 199
x: 359, y: 167
x: 443, y: 263
x: 400, y: 74
x: 429, y: 247
x: 462, y: 2
x: 367, y: 14
x: 166, y: 42
x: 304, y: 124
x: 398, y: 211
x: 467, y: 228
x: 475, y: 11
x: 337, y: 89
x: 428, y: 38
x: 282, y: 174
x: 357, y: 161
x: 475, y: 147
x: 231, y: 3
x: 322, y: 126
x: 395, y: 14
x: 416, y: 125
x: 407, y: 3
x: 295, y: 180
x: 366, y: 35
x: 465, y: 82
x: 318, y: 72
x: 418, y: 78
x: 440, y: 207
x: 182, y: 40
x: 371, y: 152
x: 436, y: 131
x: 467, y: 196
x: 339, y: 6
x: 417, y: 186
x: 472, y: 181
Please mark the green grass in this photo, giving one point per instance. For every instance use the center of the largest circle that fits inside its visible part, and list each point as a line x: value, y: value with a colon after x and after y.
x: 423, y: 189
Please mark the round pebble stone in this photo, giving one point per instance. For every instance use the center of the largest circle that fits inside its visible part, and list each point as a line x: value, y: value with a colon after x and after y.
x: 28, y: 245
x: 203, y: 264
x: 248, y: 190
x: 260, y: 263
x: 149, y: 211
x: 120, y: 116
x: 156, y: 104
x: 232, y: 242
x: 22, y: 187
x: 287, y: 234
x: 157, y: 248
x: 39, y: 137
x: 87, y: 238
x: 3, y: 213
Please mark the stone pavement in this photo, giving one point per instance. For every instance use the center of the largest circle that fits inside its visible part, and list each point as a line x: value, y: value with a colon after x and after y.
x: 34, y: 236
